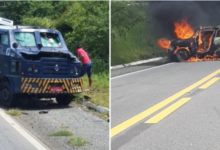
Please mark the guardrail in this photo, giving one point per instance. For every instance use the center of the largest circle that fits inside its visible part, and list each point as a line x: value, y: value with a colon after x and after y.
x: 136, y: 63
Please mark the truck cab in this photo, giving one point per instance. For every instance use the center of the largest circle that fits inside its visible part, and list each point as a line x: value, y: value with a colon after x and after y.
x: 204, y: 45
x: 36, y: 62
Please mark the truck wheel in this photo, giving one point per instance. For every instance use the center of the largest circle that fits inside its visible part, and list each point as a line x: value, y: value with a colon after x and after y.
x: 182, y: 55
x: 217, y: 52
x: 6, y: 97
x: 172, y: 58
x: 64, y: 100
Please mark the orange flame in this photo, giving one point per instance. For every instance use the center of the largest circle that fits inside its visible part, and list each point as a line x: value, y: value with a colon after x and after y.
x: 205, y: 58
x: 210, y: 39
x: 183, y: 30
x: 163, y: 43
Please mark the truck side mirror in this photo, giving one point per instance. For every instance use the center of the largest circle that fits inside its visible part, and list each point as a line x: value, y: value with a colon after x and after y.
x: 15, y: 45
x: 39, y: 45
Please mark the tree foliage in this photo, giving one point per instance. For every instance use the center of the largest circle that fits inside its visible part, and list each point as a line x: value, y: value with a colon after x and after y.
x: 85, y: 22
x: 131, y: 37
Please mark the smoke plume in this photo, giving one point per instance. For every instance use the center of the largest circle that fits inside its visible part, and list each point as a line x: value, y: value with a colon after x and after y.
x: 198, y: 13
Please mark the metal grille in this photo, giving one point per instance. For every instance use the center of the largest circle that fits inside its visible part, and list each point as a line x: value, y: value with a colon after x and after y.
x: 49, y: 67
x: 41, y: 85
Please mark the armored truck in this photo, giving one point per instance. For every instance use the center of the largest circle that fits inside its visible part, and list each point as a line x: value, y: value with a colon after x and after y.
x: 35, y: 62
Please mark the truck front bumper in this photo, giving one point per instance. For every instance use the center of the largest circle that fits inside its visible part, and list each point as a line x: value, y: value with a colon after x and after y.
x: 44, y: 85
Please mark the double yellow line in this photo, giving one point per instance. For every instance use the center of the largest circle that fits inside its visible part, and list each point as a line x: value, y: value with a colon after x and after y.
x: 121, y: 127
x: 167, y: 111
x: 176, y: 105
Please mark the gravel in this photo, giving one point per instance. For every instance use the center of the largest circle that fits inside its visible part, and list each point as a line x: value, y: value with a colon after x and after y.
x: 46, y: 117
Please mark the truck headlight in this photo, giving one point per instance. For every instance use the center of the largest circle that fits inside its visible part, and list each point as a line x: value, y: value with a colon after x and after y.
x: 29, y: 69
x: 36, y: 70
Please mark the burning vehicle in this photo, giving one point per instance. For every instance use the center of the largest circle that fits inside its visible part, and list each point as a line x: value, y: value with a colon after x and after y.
x: 201, y: 45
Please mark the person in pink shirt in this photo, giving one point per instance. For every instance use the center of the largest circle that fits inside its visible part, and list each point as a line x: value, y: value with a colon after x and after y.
x: 86, y: 63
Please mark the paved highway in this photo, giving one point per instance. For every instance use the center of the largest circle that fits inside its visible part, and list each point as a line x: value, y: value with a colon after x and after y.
x: 14, y: 137
x: 171, y: 107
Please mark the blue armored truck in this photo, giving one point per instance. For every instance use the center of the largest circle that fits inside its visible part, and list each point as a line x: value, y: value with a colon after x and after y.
x: 35, y: 62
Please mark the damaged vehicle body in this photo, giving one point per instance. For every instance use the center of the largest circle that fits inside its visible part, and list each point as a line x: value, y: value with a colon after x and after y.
x: 35, y: 62
x: 203, y: 45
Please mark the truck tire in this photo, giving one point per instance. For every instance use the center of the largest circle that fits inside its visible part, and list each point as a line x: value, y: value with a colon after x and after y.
x: 172, y: 58
x: 182, y: 55
x: 64, y: 100
x: 6, y: 97
x: 217, y: 52
x: 216, y: 42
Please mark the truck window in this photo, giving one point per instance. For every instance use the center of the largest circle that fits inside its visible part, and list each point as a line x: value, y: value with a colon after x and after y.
x: 25, y: 38
x: 3, y: 39
x: 218, y: 33
x: 206, y: 38
x: 50, y: 40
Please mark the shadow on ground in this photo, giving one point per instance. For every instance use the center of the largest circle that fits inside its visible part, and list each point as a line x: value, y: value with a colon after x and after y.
x: 43, y: 105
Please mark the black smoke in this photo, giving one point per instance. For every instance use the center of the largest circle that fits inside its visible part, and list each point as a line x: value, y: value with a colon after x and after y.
x: 198, y: 13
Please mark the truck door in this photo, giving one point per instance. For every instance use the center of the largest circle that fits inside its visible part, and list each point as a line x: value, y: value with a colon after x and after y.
x: 205, y: 41
x: 4, y: 57
x: 216, y: 41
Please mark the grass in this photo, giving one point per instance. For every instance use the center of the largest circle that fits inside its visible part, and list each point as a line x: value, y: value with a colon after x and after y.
x: 77, y: 141
x: 14, y: 112
x: 99, y: 92
x: 131, y: 48
x: 104, y: 115
x: 136, y: 41
x: 62, y: 133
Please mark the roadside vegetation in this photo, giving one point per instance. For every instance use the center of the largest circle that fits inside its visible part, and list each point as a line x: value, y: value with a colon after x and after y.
x: 62, y: 133
x: 14, y: 112
x: 73, y: 141
x: 85, y: 22
x: 132, y: 37
x: 99, y: 93
x: 77, y: 141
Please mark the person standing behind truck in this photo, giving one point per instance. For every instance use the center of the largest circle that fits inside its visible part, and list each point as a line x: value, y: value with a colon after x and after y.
x: 86, y: 63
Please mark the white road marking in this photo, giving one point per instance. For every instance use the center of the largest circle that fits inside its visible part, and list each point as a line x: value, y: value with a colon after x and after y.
x: 139, y: 71
x: 22, y: 131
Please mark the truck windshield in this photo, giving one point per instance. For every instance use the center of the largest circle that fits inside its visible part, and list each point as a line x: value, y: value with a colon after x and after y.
x: 25, y: 38
x: 50, y: 40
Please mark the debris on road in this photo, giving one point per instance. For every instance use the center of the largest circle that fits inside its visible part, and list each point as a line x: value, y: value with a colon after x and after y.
x: 43, y: 112
x: 87, y: 98
x: 24, y: 113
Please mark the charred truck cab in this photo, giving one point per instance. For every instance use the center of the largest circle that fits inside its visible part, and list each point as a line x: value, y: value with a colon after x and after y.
x: 36, y: 62
x: 204, y: 43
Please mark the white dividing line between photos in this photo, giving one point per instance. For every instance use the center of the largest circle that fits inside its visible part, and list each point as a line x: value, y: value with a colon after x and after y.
x: 139, y: 71
x: 22, y: 131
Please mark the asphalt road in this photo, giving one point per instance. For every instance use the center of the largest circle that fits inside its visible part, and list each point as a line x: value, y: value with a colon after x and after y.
x: 165, y: 108
x: 11, y: 139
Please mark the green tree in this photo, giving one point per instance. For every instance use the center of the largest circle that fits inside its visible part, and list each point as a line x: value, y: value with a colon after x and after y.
x: 85, y: 22
x: 131, y: 40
